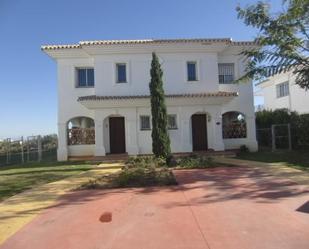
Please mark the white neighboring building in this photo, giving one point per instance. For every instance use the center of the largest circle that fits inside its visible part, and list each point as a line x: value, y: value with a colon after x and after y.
x: 104, y: 104
x: 280, y: 91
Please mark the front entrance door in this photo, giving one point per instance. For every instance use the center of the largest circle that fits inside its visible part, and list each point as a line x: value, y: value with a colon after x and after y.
x: 199, y: 132
x: 117, y: 135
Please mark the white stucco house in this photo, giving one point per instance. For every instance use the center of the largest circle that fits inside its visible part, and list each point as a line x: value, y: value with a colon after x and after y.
x: 104, y: 103
x: 280, y: 91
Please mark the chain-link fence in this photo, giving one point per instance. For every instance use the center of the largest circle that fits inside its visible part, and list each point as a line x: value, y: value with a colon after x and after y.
x: 29, y: 149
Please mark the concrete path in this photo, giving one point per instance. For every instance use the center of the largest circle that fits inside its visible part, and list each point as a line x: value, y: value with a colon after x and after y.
x: 276, y: 169
x: 20, y: 209
x: 218, y: 208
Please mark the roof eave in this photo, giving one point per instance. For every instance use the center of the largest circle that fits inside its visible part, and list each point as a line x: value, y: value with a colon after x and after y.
x: 97, y: 102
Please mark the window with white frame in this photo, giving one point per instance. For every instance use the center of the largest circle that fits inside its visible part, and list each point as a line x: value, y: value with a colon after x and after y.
x: 282, y: 89
x: 191, y: 71
x: 172, y: 122
x: 121, y: 73
x: 85, y: 77
x: 226, y: 73
x: 145, y: 122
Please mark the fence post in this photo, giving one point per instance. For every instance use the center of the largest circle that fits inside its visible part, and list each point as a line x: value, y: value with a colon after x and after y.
x: 39, y: 148
x: 22, y: 149
x: 289, y: 135
x: 28, y: 150
x: 273, y: 138
x: 8, y: 148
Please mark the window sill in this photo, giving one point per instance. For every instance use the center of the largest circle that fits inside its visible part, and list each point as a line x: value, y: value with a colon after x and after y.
x: 280, y: 97
x: 80, y: 144
x: 235, y: 138
x: 227, y: 83
x: 82, y: 87
x: 145, y: 129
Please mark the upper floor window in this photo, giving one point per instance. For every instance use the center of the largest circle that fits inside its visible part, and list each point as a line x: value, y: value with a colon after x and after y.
x: 145, y: 122
x: 121, y: 73
x: 85, y: 77
x: 282, y: 89
x: 172, y: 122
x: 226, y: 73
x: 191, y: 71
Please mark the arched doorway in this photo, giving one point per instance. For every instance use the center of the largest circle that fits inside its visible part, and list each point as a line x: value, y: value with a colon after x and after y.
x: 199, y: 132
x: 117, y: 135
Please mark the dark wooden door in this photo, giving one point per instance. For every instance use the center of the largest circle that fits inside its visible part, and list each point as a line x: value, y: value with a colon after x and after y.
x: 199, y: 132
x: 117, y: 135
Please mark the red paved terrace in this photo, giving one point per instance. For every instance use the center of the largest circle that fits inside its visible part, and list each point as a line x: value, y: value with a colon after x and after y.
x: 219, y: 208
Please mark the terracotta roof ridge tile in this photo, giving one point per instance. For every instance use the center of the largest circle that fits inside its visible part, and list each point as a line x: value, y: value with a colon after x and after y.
x: 146, y: 41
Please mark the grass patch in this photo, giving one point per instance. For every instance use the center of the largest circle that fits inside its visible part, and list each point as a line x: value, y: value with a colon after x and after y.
x: 18, y: 178
x: 296, y: 159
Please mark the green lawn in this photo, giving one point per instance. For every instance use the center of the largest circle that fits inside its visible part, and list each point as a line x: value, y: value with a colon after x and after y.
x: 297, y: 159
x: 17, y: 178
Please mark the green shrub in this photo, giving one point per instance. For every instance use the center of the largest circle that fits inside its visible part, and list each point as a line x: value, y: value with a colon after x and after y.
x: 195, y: 162
x: 243, y: 149
x: 148, y: 176
x: 138, y: 172
x: 145, y: 161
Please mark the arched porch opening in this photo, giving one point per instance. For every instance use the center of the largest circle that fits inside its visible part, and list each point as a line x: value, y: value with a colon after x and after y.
x: 80, y: 131
x: 234, y: 125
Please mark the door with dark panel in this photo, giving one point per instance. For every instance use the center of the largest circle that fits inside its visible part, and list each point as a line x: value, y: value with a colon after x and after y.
x: 117, y: 135
x: 199, y: 132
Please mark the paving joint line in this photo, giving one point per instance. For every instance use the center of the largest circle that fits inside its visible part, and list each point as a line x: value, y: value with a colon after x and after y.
x: 195, y: 219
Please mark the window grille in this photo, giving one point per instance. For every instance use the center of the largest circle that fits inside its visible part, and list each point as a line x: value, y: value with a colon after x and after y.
x: 226, y: 73
x: 145, y: 122
x: 172, y: 122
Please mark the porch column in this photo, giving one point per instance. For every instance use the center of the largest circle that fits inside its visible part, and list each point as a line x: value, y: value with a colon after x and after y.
x: 99, y: 144
x: 251, y: 133
x: 62, y: 151
x: 216, y: 126
x: 131, y: 133
x: 186, y: 131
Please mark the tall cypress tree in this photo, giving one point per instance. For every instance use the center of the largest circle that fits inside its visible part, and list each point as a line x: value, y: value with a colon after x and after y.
x: 160, y: 137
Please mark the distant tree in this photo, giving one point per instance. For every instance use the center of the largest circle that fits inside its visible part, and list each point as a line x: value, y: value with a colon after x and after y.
x: 283, y: 40
x: 160, y: 137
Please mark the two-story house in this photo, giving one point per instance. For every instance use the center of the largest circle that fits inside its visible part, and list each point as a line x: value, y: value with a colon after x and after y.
x: 280, y: 91
x: 104, y: 102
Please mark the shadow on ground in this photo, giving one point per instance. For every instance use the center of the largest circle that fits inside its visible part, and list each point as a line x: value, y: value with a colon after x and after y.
x: 220, y: 184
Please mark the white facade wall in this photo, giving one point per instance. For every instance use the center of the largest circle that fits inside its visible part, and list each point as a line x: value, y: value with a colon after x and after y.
x: 297, y: 100
x: 138, y: 75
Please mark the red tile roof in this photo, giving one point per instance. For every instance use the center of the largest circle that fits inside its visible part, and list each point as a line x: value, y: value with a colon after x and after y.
x: 147, y: 41
x: 187, y: 95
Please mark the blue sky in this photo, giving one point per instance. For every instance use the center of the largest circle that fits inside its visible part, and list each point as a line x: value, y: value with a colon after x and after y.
x: 28, y: 99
